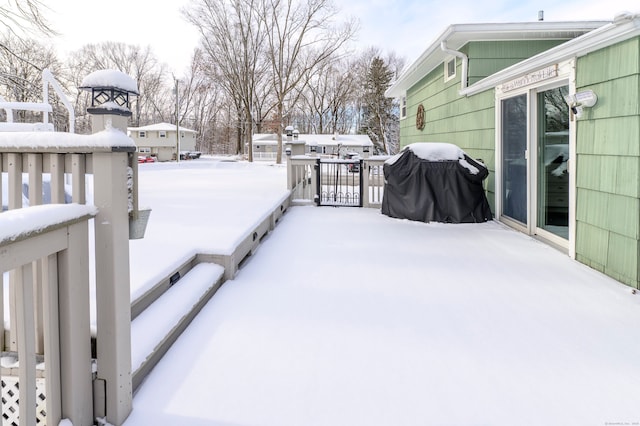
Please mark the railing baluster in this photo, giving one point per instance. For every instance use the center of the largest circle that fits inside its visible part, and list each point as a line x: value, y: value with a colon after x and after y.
x: 51, y: 339
x: 14, y: 174
x: 34, y: 169
x: 56, y: 169
x: 14, y: 177
x: 78, y: 178
x: 25, y: 327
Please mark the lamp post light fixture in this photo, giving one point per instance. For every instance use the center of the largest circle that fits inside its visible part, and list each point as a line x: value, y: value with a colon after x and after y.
x: 289, y: 132
x: 111, y: 91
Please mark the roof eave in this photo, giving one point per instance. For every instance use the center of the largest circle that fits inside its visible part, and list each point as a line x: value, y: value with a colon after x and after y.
x: 602, y: 37
x: 433, y: 55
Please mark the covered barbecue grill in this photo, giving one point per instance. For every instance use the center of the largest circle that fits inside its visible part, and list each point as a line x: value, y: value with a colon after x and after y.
x: 435, y: 182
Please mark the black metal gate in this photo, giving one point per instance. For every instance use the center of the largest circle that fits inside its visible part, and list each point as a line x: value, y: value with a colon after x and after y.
x: 339, y: 182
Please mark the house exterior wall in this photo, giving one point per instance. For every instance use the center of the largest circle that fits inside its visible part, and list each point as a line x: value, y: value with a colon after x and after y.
x: 468, y: 122
x: 608, y: 162
x: 164, y: 148
x: 486, y: 58
x: 607, y: 142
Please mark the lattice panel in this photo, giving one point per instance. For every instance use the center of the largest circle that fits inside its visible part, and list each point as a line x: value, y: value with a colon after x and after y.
x: 10, y: 401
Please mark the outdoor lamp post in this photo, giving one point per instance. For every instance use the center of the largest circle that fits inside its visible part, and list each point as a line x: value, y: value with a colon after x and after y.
x: 115, y: 196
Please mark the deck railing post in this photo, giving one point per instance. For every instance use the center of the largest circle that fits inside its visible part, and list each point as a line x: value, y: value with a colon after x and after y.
x: 364, y: 173
x: 113, y: 296
x: 111, y: 197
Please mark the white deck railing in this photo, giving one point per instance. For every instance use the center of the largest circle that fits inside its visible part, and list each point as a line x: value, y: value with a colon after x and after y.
x: 40, y: 167
x: 44, y: 107
x: 302, y: 180
x: 50, y: 282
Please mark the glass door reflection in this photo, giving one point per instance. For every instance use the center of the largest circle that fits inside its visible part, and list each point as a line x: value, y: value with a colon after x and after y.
x: 553, y: 156
x: 514, y: 161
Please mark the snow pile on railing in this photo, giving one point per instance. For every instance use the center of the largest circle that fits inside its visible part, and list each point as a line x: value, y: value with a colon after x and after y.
x: 52, y: 141
x: 21, y: 222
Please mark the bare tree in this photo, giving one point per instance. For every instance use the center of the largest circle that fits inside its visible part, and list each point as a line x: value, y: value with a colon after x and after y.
x: 20, y: 18
x: 300, y: 37
x: 138, y: 62
x: 232, y: 38
x: 25, y: 15
x: 21, y: 64
x: 328, y: 98
x: 205, y: 104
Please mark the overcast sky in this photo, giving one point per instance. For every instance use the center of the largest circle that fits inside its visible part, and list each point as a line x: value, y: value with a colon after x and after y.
x: 404, y: 26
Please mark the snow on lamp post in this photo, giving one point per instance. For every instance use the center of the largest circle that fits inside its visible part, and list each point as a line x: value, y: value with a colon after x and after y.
x: 289, y: 132
x: 111, y: 91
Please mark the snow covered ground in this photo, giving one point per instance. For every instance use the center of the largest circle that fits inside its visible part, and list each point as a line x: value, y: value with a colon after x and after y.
x: 348, y: 317
x: 199, y: 206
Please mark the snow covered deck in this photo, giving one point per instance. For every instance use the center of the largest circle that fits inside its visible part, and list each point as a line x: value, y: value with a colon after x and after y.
x: 349, y: 317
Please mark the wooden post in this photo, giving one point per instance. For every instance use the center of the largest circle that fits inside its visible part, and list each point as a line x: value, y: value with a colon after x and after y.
x: 75, y: 333
x: 34, y: 169
x: 113, y: 294
x: 113, y: 298
x: 365, y: 183
x: 14, y: 167
x: 56, y: 166
x: 78, y: 176
x: 51, y: 338
x: 25, y: 327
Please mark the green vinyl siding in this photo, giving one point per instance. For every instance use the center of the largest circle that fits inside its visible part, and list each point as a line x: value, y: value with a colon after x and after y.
x: 608, y: 162
x: 609, y: 136
x: 614, y: 62
x: 487, y: 58
x: 468, y: 122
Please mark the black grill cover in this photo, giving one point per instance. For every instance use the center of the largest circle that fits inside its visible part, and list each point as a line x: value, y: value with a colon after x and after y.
x: 434, y: 191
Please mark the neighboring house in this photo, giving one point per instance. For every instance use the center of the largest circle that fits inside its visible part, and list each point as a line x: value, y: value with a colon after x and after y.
x: 520, y: 96
x: 265, y: 145
x: 159, y: 140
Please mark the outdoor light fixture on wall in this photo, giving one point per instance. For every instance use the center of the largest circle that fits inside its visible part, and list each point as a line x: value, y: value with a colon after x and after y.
x: 580, y: 100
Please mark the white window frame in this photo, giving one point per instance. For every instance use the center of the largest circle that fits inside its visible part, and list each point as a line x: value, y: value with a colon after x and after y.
x: 162, y: 134
x: 142, y: 134
x: 565, y: 76
x: 144, y: 150
x: 403, y: 107
x: 448, y: 76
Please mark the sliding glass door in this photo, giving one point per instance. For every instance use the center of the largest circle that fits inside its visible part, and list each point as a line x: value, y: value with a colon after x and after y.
x: 552, y: 213
x: 514, y: 158
x: 535, y: 188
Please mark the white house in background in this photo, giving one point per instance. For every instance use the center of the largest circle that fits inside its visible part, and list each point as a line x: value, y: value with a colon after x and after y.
x: 265, y: 145
x: 159, y: 140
